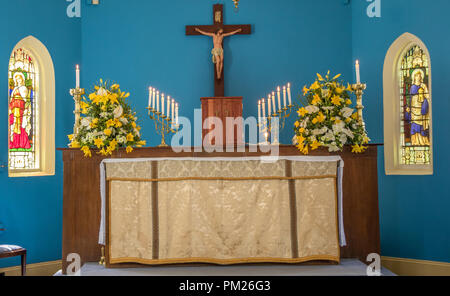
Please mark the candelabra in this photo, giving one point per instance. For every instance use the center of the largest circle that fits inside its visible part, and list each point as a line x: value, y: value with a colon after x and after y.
x: 76, y: 93
x: 271, y: 126
x: 359, y: 88
x: 163, y: 125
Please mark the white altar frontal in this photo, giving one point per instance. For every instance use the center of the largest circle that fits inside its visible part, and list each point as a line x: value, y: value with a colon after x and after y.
x: 221, y: 210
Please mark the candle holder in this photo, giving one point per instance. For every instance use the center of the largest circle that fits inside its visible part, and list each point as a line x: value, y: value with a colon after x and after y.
x: 163, y: 125
x: 268, y: 126
x: 76, y: 93
x: 359, y: 88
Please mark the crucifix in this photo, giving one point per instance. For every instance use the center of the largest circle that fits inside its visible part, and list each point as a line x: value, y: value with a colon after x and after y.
x: 218, y: 31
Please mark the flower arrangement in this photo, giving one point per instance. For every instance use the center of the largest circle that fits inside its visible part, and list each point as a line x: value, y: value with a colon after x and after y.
x: 326, y: 119
x: 107, y: 122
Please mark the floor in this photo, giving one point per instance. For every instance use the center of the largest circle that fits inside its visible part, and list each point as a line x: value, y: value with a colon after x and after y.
x: 348, y: 267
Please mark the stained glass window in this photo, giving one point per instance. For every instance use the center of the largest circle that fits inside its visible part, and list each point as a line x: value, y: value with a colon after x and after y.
x: 23, y: 112
x: 415, y: 107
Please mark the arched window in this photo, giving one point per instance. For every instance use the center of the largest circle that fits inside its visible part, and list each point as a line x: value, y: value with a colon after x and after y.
x: 407, y: 108
x: 31, y: 128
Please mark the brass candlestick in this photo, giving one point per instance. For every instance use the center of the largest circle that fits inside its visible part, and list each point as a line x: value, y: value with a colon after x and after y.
x: 76, y: 93
x: 268, y: 128
x: 359, y: 88
x: 163, y: 125
x: 102, y: 259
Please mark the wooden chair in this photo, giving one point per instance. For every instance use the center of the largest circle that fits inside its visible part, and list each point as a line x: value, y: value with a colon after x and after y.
x: 12, y: 251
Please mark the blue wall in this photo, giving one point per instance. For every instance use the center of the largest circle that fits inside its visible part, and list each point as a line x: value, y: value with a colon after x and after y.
x: 413, y: 209
x: 31, y: 208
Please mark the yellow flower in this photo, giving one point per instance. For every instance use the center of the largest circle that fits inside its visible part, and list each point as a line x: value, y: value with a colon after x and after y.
x: 305, y: 90
x: 95, y: 120
x: 300, y: 139
x: 348, y: 120
x: 104, y: 107
x: 118, y: 123
x: 315, y: 145
x: 320, y: 117
x: 129, y: 149
x: 301, y: 130
x: 339, y: 90
x: 130, y: 137
x: 355, y: 116
x: 103, y: 152
x: 348, y: 102
x: 99, y: 143
x: 366, y: 140
x: 70, y: 137
x: 75, y: 144
x: 315, y: 120
x: 297, y: 124
x: 110, y: 123
x: 356, y: 149
x: 320, y: 77
x: 113, y: 144
x: 349, y: 87
x: 84, y: 107
x: 107, y: 132
x: 113, y: 99
x: 126, y: 95
x: 302, y: 112
x: 315, y: 85
x: 336, y: 100
x: 316, y: 100
x: 305, y: 150
x: 115, y: 86
x: 87, y: 151
x: 336, y: 77
x: 142, y: 143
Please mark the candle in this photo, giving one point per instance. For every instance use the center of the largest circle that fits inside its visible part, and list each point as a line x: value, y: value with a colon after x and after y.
x: 259, y: 112
x: 284, y: 95
x: 153, y: 97
x: 162, y: 104
x: 173, y: 111
x: 176, y: 114
x: 279, y: 95
x: 289, y: 94
x: 269, y: 101
x: 77, y: 71
x: 264, y: 109
x: 358, y: 75
x: 168, y: 107
x: 149, y: 97
x: 157, y: 101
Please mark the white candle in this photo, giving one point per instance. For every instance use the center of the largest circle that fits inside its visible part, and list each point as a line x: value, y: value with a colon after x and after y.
x: 150, y: 97
x: 168, y: 106
x: 173, y: 111
x: 176, y: 114
x: 289, y: 94
x: 269, y: 102
x: 264, y: 109
x: 358, y: 74
x: 273, y: 99
x: 157, y: 101
x: 279, y: 95
x: 162, y: 104
x: 284, y: 95
x: 77, y: 71
x: 259, y: 112
x: 153, y: 97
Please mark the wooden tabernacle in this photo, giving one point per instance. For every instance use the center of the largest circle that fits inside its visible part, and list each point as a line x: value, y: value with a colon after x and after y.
x: 82, y: 203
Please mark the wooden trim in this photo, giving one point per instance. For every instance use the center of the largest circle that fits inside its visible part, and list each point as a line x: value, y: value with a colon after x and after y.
x: 37, y: 269
x: 293, y: 209
x: 155, y: 212
x: 413, y: 267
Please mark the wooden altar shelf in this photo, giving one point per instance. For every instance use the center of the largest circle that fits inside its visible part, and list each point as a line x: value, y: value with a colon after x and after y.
x: 82, y: 203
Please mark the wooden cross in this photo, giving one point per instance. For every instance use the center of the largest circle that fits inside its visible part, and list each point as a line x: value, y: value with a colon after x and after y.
x: 219, y: 86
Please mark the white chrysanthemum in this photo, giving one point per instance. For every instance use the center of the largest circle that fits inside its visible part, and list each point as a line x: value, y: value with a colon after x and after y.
x: 347, y: 112
x: 118, y: 111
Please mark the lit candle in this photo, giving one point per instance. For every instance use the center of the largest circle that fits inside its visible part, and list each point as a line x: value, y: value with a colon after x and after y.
x: 264, y: 109
x: 289, y: 94
x: 153, y: 97
x: 176, y: 114
x: 168, y: 106
x: 358, y: 74
x: 150, y: 97
x: 173, y: 111
x: 284, y: 95
x: 279, y: 95
x: 269, y: 101
x: 162, y: 104
x: 77, y: 71
x: 157, y: 101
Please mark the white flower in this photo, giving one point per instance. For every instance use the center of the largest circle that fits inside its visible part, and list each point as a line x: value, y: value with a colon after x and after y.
x: 325, y: 92
x: 343, y: 139
x: 347, y: 112
x: 124, y: 120
x: 333, y: 147
x: 328, y: 108
x: 338, y: 127
x: 348, y: 132
x: 321, y: 131
x: 329, y: 136
x: 86, y: 121
x: 121, y: 140
x: 312, y: 109
x: 294, y: 140
x: 104, y: 114
x: 102, y: 92
x: 118, y: 111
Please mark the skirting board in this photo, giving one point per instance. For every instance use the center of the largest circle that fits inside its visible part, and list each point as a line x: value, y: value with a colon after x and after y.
x: 36, y: 269
x: 412, y: 267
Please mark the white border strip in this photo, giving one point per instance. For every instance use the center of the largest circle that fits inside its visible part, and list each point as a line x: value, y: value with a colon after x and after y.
x: 342, y: 239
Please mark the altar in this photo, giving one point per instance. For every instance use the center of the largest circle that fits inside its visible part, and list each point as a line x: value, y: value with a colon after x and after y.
x: 220, y: 208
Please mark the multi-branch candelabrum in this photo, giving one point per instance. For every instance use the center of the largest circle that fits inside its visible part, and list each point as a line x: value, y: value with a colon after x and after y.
x: 76, y: 93
x: 271, y: 126
x: 163, y: 125
x: 359, y: 88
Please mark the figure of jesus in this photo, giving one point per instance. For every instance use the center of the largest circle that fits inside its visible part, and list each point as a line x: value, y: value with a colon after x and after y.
x: 217, y: 51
